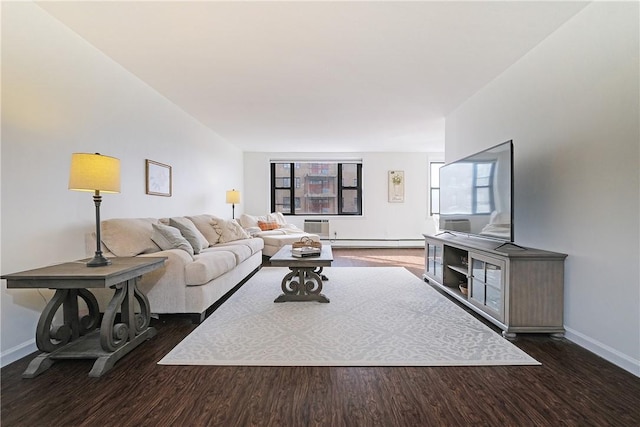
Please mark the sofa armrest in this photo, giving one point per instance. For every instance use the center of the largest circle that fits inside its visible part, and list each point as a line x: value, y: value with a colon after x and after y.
x: 165, y: 286
x: 253, y: 231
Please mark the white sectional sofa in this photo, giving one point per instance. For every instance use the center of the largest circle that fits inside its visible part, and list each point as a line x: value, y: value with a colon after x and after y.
x: 207, y: 257
x: 274, y: 230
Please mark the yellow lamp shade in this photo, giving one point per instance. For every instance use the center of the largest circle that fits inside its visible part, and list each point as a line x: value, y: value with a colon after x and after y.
x: 233, y: 196
x: 94, y: 172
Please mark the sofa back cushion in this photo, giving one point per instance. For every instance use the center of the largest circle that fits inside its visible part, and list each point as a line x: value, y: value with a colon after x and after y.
x: 249, y: 221
x: 228, y: 230
x: 190, y: 232
x: 129, y: 236
x: 277, y: 217
x: 204, y: 224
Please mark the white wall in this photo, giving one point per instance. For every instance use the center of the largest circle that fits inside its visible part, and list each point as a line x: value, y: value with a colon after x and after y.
x: 60, y: 95
x: 571, y: 107
x: 382, y: 221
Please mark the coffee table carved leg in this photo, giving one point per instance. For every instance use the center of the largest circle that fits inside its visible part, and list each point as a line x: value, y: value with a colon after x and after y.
x: 318, y: 271
x: 302, y: 284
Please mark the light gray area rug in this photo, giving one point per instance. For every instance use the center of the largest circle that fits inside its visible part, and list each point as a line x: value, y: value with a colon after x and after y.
x: 382, y: 316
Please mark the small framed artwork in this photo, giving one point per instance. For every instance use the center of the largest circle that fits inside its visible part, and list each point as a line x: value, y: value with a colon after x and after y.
x: 158, y: 176
x: 396, y: 186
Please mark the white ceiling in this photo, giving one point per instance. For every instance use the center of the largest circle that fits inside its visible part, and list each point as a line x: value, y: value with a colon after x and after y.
x: 317, y: 76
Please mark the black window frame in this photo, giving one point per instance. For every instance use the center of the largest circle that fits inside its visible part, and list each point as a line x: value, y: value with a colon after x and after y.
x: 293, y: 165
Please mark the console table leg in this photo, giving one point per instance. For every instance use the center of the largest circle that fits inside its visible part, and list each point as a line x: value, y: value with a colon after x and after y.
x: 41, y: 363
x: 106, y: 362
x: 50, y: 337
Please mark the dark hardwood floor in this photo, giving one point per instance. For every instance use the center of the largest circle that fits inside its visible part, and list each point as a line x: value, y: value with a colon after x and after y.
x: 572, y: 387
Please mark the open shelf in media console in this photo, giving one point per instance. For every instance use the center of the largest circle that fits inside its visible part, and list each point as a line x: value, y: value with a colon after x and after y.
x: 462, y: 269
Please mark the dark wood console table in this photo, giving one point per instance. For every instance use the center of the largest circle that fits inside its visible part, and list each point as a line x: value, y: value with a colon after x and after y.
x: 77, y: 337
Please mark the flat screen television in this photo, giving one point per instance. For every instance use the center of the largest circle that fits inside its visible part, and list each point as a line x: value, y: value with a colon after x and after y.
x: 476, y: 194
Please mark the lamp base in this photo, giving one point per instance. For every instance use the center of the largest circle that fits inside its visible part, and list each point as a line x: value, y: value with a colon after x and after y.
x: 98, y: 261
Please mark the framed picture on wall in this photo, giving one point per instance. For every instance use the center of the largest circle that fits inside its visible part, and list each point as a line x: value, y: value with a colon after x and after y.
x: 158, y: 178
x: 396, y: 186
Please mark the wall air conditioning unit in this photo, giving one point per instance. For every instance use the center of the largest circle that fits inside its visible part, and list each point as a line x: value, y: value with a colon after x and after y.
x: 317, y: 226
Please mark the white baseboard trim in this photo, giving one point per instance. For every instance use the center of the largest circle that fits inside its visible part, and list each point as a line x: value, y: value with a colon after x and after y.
x: 375, y: 243
x: 610, y: 354
x: 18, y: 352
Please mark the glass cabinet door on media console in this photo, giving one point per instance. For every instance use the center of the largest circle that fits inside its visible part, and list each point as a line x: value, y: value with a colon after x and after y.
x: 486, y: 284
x: 433, y: 260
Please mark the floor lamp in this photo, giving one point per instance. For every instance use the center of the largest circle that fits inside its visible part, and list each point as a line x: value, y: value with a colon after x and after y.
x: 233, y: 197
x: 95, y: 172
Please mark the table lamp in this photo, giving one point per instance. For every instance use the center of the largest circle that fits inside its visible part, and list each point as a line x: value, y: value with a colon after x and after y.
x: 233, y: 197
x: 95, y: 172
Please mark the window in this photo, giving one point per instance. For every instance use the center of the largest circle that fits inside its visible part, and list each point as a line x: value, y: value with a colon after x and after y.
x: 434, y: 190
x: 319, y: 188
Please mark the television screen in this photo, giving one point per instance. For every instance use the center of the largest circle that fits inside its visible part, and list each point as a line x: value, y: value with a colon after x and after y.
x: 476, y: 194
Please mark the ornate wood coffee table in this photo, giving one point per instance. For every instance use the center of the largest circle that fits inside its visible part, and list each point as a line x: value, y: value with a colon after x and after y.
x: 77, y: 338
x: 304, y: 282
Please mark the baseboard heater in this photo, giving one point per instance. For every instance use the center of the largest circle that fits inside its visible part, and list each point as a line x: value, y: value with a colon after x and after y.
x: 317, y: 226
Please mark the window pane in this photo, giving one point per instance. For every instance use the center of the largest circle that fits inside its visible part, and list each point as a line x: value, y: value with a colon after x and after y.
x: 350, y: 201
x: 283, y: 201
x: 435, y: 201
x: 283, y: 175
x: 435, y: 174
x: 434, y: 184
x: 349, y: 175
x: 317, y: 190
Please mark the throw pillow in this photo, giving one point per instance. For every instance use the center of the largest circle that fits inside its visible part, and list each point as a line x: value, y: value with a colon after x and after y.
x: 268, y: 225
x: 203, y: 224
x: 168, y: 237
x: 229, y: 230
x: 190, y: 232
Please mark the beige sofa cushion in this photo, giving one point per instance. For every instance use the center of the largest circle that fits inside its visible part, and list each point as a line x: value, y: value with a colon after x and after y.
x: 228, y: 231
x: 129, y: 236
x: 208, y: 265
x: 190, y: 232
x: 204, y: 225
x: 254, y: 244
x: 248, y: 221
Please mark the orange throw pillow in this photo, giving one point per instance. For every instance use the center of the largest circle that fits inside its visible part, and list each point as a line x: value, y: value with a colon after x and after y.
x: 265, y: 226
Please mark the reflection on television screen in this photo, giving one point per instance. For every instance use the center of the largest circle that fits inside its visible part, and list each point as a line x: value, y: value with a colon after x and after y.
x: 476, y: 194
